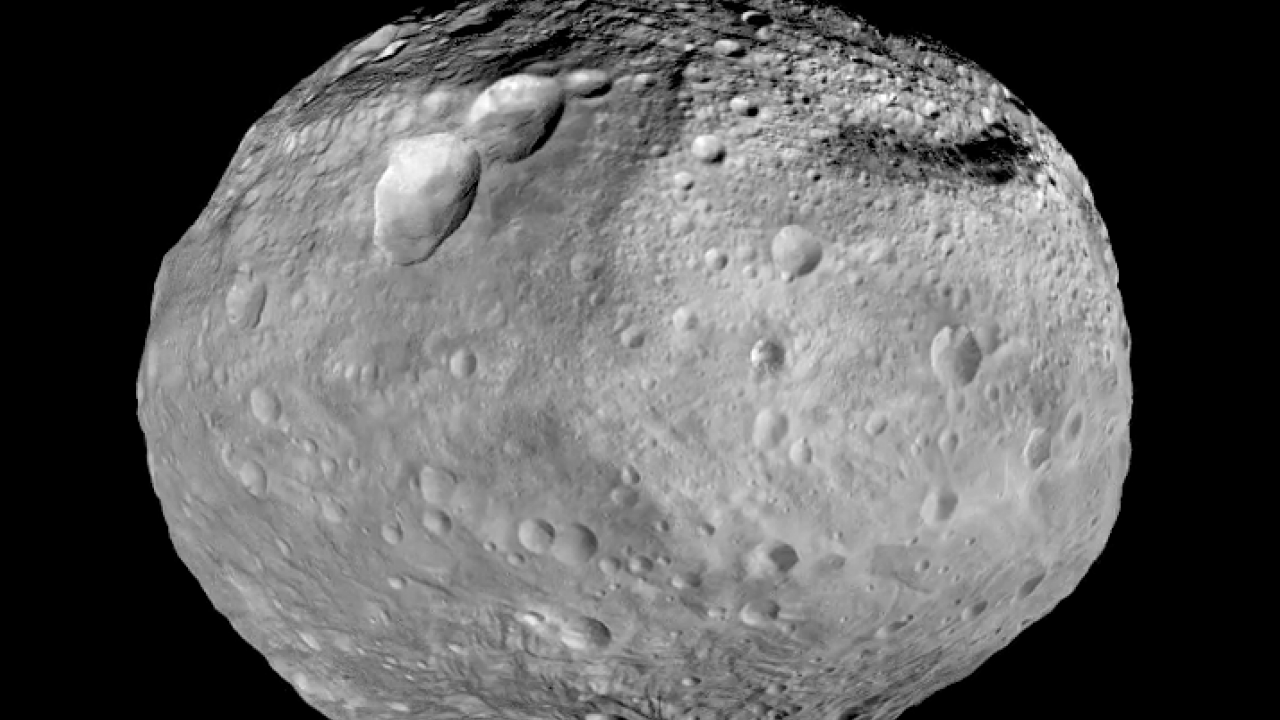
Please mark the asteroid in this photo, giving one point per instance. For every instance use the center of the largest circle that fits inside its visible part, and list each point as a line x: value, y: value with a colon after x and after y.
x: 638, y: 361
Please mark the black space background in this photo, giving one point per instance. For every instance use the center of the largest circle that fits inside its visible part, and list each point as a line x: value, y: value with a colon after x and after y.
x: 197, y: 76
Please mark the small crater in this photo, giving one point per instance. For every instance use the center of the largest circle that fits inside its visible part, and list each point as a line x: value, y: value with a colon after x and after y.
x: 586, y: 266
x: 715, y: 260
x: 759, y: 613
x: 830, y: 563
x: 536, y: 535
x: 632, y: 337
x: 684, y: 319
x: 801, y: 453
x: 1029, y: 586
x: 1037, y: 450
x: 707, y: 149
x: 974, y: 610
x: 685, y: 580
x: 574, y: 544
x: 252, y: 478
x: 769, y: 429
x: 585, y: 633
x: 531, y: 619
x: 462, y: 364
x: 955, y: 356
x: 435, y: 485
x: 331, y: 510
x: 796, y: 251
x: 264, y: 405
x: 987, y: 333
x: 876, y: 424
x: 1074, y: 425
x: 436, y: 521
x: 783, y: 557
x: 948, y: 441
x: 624, y: 497
x: 773, y: 558
x: 993, y: 393
x: 767, y: 356
x: 894, y: 627
x: 743, y: 106
x: 244, y: 302
x: 629, y: 476
x: 392, y: 533
x: 939, y: 505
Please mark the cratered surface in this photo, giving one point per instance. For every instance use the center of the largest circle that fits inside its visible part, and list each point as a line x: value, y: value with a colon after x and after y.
x: 639, y: 360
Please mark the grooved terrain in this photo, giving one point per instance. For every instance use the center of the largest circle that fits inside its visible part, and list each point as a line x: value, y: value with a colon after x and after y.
x: 626, y: 360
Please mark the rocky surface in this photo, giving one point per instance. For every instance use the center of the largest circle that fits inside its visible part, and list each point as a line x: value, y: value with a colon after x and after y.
x: 639, y: 360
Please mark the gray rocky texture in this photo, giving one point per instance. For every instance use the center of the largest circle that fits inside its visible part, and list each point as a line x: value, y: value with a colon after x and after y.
x: 589, y: 424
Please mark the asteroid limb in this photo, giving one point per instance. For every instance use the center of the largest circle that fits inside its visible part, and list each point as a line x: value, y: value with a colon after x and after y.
x: 638, y: 360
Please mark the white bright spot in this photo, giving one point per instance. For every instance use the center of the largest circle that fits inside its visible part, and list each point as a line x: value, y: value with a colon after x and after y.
x: 425, y: 193
x: 707, y: 148
x: 515, y: 115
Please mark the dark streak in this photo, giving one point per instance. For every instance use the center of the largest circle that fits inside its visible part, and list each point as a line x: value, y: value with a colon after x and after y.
x: 993, y: 157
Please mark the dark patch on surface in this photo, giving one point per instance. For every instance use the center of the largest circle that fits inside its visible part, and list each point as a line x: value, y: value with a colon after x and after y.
x: 994, y: 156
x: 487, y: 65
x: 783, y: 557
x: 737, y: 7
